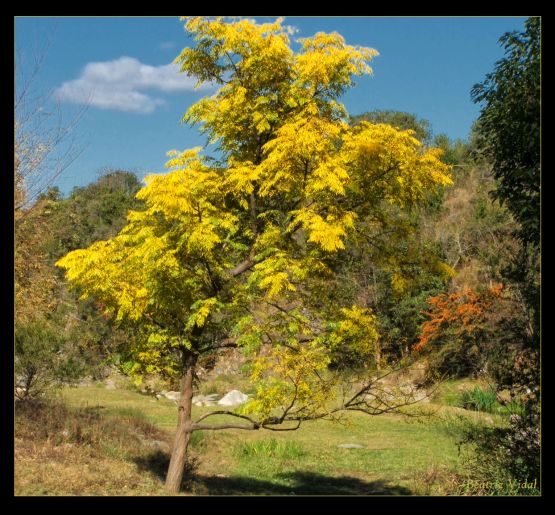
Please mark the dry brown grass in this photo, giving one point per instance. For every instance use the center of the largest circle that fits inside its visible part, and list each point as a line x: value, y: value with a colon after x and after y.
x: 62, y: 451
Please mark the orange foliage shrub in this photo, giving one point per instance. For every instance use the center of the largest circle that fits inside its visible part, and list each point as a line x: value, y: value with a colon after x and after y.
x: 461, y: 312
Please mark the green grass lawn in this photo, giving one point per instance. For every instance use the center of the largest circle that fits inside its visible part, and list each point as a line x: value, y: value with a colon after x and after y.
x: 397, y: 453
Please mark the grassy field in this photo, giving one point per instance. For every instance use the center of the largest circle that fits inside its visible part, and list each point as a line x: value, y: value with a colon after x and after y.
x: 125, y: 451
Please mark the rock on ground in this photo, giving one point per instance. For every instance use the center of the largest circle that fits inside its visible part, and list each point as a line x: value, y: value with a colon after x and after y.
x: 205, y: 400
x: 233, y: 398
x: 110, y: 384
x: 172, y: 396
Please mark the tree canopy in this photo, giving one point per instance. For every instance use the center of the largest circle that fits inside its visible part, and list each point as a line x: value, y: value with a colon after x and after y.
x: 509, y: 126
x: 400, y: 120
x: 239, y: 249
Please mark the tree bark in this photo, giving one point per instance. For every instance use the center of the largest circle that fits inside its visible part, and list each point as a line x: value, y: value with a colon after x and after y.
x: 184, y: 426
x: 378, y: 356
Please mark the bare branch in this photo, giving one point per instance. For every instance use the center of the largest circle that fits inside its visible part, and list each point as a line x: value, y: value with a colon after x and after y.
x: 288, y: 409
x: 283, y: 428
x: 369, y: 385
x: 215, y: 427
x: 45, y: 145
x: 242, y: 267
x: 278, y: 307
x: 225, y: 412
x: 234, y: 66
x: 231, y: 344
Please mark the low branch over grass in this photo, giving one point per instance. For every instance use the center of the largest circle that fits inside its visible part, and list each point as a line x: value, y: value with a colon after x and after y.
x: 373, y: 398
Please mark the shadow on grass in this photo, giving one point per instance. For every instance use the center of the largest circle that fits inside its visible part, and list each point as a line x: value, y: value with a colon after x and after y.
x: 157, y: 463
x: 294, y: 483
x: 290, y: 483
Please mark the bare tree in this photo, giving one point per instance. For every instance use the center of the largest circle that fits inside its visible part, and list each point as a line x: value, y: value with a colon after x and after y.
x: 45, y: 143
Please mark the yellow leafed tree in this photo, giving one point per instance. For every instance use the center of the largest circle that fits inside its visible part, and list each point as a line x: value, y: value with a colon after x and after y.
x: 235, y: 250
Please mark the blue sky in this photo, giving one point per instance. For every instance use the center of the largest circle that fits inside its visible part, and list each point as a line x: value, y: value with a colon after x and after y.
x: 426, y: 66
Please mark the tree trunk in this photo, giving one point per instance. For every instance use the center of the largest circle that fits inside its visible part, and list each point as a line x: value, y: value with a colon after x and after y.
x: 182, y: 436
x: 378, y: 356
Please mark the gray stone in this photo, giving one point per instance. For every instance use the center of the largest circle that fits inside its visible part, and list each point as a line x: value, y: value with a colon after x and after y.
x: 233, y: 398
x: 110, y: 384
x: 173, y: 396
x: 351, y: 446
x: 205, y: 400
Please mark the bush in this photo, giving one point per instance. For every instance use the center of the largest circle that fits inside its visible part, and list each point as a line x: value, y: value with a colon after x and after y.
x: 43, y: 359
x: 455, y: 359
x: 469, y: 333
x: 480, y: 400
x: 503, y: 461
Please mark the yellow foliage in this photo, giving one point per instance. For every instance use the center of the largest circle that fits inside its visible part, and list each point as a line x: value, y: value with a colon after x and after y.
x: 358, y: 329
x: 289, y: 374
x: 201, y: 312
x: 293, y: 184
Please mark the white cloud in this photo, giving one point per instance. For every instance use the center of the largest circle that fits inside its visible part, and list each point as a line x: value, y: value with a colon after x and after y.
x: 116, y: 85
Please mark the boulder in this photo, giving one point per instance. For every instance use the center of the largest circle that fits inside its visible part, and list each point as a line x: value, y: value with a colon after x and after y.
x: 205, y: 400
x: 173, y: 396
x: 110, y: 384
x: 198, y: 400
x: 233, y: 398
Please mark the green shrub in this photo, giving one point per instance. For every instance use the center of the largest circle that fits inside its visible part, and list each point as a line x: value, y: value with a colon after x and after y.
x: 44, y: 358
x: 455, y: 358
x: 503, y: 460
x: 480, y: 400
x: 514, y: 408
